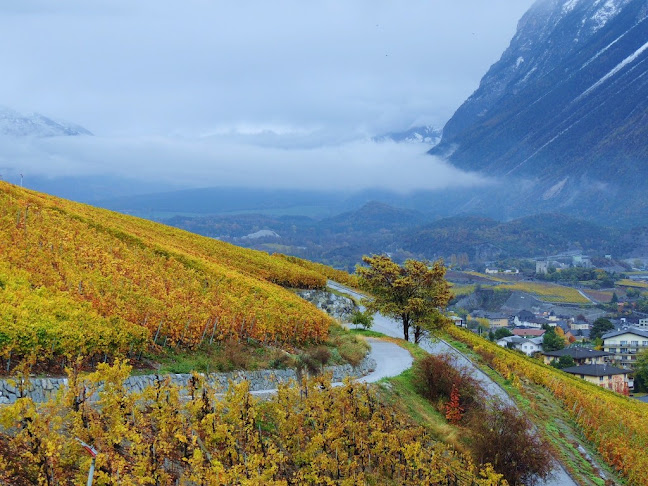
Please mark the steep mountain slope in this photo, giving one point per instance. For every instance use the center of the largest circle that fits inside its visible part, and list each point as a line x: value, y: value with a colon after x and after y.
x: 565, y: 106
x: 16, y: 124
x: 136, y: 280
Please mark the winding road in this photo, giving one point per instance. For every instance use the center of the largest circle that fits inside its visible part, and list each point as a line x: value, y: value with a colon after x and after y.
x: 390, y: 327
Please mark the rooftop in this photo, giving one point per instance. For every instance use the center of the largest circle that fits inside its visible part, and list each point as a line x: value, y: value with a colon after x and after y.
x: 518, y: 331
x: 629, y: 330
x: 596, y: 370
x: 577, y: 353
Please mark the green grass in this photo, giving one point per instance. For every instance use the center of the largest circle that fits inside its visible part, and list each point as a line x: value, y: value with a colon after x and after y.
x: 400, y: 392
x: 367, y: 333
x: 344, y: 347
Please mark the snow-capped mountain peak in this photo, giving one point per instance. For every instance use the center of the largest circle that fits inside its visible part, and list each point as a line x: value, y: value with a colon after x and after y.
x: 15, y: 124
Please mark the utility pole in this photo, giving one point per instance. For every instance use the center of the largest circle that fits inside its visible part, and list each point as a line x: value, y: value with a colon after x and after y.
x: 93, y: 453
x: 21, y: 180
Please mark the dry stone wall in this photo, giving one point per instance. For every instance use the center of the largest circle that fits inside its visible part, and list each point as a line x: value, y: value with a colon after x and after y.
x: 43, y: 389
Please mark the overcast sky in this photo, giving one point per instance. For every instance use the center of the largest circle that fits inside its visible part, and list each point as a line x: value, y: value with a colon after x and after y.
x: 303, y: 74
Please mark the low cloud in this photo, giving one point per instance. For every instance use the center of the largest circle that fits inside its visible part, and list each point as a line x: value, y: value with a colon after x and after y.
x: 237, y: 160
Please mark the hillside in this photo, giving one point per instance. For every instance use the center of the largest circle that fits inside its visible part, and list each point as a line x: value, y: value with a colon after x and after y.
x: 135, y: 283
x: 538, y: 235
x: 562, y: 114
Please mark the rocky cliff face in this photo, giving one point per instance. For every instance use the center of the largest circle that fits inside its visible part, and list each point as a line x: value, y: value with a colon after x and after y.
x: 565, y: 108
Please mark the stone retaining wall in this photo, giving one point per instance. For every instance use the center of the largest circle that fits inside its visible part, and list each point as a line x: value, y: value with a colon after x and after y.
x: 43, y: 389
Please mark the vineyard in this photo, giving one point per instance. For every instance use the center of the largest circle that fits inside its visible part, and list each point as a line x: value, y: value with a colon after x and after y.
x: 626, y: 282
x: 308, y: 434
x: 548, y: 292
x: 618, y: 426
x: 81, y: 281
x: 339, y: 276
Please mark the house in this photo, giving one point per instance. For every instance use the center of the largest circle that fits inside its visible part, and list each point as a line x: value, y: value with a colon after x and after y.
x: 542, y: 267
x: 581, y: 356
x: 508, y: 271
x: 625, y: 343
x: 498, y: 320
x: 528, y: 333
x: 458, y: 321
x: 581, y: 261
x: 580, y: 335
x: 525, y: 318
x: 527, y: 346
x: 607, y: 376
x: 494, y: 320
x: 580, y: 325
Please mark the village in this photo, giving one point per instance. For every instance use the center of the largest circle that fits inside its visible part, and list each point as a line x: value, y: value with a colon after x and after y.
x: 594, y: 330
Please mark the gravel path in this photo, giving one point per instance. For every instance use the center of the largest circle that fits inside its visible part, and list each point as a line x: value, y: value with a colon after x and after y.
x: 391, y: 327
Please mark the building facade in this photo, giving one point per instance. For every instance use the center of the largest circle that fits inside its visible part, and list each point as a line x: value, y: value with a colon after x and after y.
x: 625, y: 344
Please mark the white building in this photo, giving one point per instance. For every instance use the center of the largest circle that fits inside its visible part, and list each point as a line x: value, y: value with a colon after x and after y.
x: 625, y: 344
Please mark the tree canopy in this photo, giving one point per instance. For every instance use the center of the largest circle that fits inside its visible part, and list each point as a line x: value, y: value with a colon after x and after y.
x: 600, y: 327
x: 502, y: 332
x: 414, y: 293
x: 641, y: 372
x: 552, y: 341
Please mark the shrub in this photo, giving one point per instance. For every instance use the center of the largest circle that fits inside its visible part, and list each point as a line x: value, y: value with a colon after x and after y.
x: 364, y: 319
x: 503, y: 437
x: 435, y: 377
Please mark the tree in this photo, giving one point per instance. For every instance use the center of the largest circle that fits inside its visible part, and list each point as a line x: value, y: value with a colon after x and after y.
x: 552, y: 341
x: 414, y: 293
x: 641, y: 372
x: 453, y: 410
x: 364, y: 319
x: 502, y: 332
x: 600, y: 327
x: 563, y: 362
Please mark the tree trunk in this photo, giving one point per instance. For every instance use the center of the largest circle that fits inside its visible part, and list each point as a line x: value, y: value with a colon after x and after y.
x: 406, y: 327
x: 418, y: 334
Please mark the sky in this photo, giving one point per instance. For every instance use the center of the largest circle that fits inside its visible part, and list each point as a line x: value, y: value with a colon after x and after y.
x: 210, y: 92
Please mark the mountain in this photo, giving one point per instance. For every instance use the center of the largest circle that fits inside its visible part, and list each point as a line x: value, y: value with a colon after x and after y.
x: 374, y: 216
x: 15, y: 124
x: 424, y: 134
x: 564, y: 111
x: 485, y: 239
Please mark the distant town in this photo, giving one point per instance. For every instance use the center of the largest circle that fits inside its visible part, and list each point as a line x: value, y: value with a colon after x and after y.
x: 587, y: 316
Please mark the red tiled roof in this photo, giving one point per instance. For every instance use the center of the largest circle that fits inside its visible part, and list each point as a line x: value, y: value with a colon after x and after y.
x: 528, y: 332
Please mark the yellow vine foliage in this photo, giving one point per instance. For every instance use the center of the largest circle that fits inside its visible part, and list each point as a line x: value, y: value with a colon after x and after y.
x: 616, y: 424
x: 133, y: 276
x: 310, y: 433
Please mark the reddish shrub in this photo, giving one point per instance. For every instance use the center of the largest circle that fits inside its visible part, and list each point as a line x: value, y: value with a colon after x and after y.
x: 435, y: 377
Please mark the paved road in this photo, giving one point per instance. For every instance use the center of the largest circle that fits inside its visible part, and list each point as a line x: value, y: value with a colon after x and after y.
x: 390, y: 358
x: 393, y: 328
